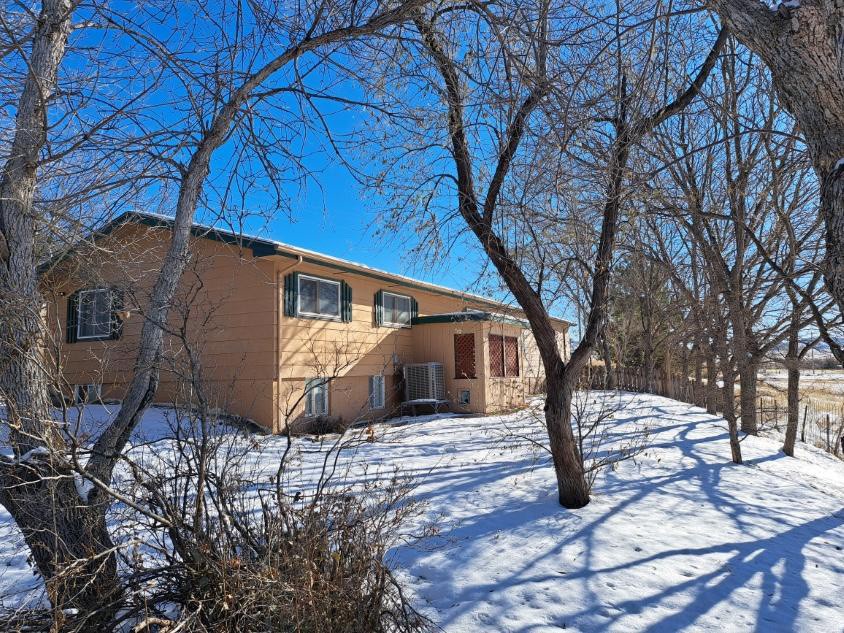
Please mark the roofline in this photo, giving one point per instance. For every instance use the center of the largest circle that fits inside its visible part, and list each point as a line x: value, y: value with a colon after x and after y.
x: 470, y: 316
x: 262, y: 247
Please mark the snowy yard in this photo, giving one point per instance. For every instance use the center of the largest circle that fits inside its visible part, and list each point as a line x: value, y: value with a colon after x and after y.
x: 677, y: 539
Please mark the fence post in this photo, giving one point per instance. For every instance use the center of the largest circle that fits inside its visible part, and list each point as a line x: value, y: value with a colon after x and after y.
x: 828, y: 445
x: 803, y: 428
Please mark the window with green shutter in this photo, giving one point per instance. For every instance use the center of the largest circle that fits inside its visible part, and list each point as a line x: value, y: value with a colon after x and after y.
x: 311, y: 297
x: 394, y: 310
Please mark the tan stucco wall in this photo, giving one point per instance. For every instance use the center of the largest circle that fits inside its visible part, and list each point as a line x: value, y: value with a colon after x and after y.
x: 254, y: 358
x: 351, y: 352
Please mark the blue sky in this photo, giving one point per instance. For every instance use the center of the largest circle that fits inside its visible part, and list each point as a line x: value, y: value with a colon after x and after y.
x: 336, y: 221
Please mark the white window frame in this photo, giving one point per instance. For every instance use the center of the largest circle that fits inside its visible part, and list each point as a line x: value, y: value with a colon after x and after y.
x: 318, y: 315
x: 79, y: 303
x: 94, y: 392
x: 311, y: 393
x: 384, y: 293
x: 381, y: 402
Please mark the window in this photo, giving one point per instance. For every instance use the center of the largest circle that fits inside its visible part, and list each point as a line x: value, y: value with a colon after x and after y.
x: 316, y: 397
x: 503, y: 356
x: 83, y: 394
x: 376, y: 392
x: 319, y: 297
x: 464, y: 397
x: 94, y: 320
x: 396, y: 309
x: 464, y: 355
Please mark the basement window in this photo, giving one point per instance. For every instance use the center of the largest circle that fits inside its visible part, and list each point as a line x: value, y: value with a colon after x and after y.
x: 84, y: 394
x: 316, y: 397
x: 377, y: 395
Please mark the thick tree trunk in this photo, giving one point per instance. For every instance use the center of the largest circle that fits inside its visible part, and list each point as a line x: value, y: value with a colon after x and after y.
x: 792, y: 362
x: 572, y: 487
x: 68, y: 539
x: 748, y: 378
x: 729, y: 397
x: 62, y: 531
x: 698, y: 395
x: 728, y: 375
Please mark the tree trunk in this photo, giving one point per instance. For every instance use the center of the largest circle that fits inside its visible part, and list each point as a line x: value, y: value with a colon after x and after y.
x: 68, y: 539
x: 728, y: 390
x: 572, y: 487
x: 698, y: 397
x: 61, y: 530
x: 792, y: 362
x: 609, y: 375
x: 711, y: 384
x: 748, y: 379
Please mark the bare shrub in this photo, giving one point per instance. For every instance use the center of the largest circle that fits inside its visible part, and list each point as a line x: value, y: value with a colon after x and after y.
x: 594, y: 413
x: 318, y: 425
x: 594, y: 416
x: 236, y: 548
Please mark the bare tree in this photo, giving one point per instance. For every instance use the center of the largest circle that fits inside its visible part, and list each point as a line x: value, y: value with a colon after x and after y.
x: 63, y: 530
x: 800, y: 43
x: 510, y: 109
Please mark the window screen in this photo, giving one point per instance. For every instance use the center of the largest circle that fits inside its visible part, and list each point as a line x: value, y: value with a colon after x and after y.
x: 316, y: 397
x: 396, y: 309
x: 376, y: 392
x: 319, y: 297
x: 94, y: 314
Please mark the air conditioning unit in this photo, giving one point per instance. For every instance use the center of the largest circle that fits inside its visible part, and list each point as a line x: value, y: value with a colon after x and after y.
x: 424, y: 381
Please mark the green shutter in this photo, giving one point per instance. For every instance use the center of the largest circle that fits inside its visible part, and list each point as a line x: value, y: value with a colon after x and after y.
x: 346, y: 302
x: 72, y: 317
x: 291, y: 284
x: 414, y: 309
x: 379, y: 307
x: 116, y: 306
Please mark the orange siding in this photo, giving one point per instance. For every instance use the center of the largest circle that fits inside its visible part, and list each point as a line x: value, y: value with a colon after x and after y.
x: 254, y: 358
x: 231, y: 320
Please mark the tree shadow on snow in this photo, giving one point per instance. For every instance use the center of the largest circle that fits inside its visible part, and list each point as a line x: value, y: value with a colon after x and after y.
x: 749, y: 550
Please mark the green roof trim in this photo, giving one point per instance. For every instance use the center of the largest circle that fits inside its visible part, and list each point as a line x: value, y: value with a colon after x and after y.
x: 459, y: 317
x: 259, y: 247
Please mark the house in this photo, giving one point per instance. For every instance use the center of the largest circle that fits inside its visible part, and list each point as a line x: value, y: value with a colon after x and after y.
x: 278, y: 332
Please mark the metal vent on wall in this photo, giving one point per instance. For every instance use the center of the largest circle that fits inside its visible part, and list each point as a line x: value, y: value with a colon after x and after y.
x: 424, y: 381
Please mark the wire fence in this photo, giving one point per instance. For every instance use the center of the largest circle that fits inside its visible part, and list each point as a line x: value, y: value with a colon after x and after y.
x: 820, y: 424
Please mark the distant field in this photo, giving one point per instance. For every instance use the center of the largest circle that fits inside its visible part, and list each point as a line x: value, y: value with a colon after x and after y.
x: 821, y: 404
x: 822, y: 384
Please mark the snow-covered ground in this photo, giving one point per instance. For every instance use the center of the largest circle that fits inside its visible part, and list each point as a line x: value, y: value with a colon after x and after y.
x: 679, y: 539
